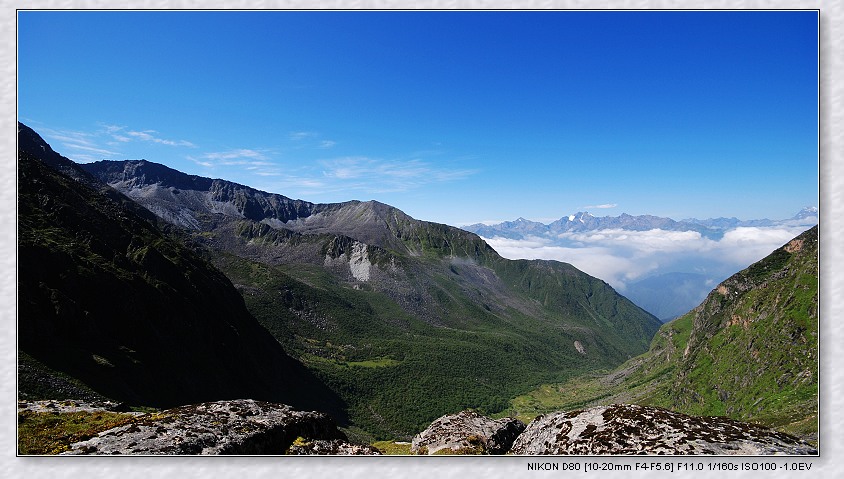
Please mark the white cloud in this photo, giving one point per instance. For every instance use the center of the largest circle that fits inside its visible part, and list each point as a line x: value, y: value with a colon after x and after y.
x: 147, y: 135
x: 91, y: 149
x: 309, y: 140
x: 748, y: 244
x: 256, y: 162
x: 301, y: 135
x: 600, y: 207
x: 105, y: 142
x: 77, y: 145
x: 380, y: 176
x: 235, y: 154
x: 599, y: 261
x: 619, y: 256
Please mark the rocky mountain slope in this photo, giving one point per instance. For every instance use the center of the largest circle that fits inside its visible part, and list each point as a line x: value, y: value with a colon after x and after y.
x: 108, y: 303
x: 749, y: 351
x: 752, y: 345
x: 405, y: 319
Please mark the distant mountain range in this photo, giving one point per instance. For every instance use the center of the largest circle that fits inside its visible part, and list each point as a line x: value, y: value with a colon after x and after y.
x: 133, y: 274
x: 665, y: 266
x: 584, y: 221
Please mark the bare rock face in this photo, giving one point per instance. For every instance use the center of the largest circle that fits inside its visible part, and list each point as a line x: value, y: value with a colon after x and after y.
x: 242, y: 426
x: 632, y: 429
x: 468, y: 432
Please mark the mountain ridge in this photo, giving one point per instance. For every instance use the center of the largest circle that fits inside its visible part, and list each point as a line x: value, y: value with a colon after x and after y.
x: 363, y: 283
x: 106, y: 298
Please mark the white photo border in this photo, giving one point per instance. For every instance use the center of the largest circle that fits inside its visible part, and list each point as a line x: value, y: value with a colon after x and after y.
x: 831, y: 190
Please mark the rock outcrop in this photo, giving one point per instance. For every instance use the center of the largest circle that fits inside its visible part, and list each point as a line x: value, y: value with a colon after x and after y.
x: 468, y: 432
x: 332, y: 447
x: 240, y: 426
x: 630, y: 429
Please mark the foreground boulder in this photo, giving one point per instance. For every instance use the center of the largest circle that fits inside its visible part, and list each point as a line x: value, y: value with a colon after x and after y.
x: 239, y: 426
x: 467, y: 432
x: 632, y: 429
x: 331, y: 447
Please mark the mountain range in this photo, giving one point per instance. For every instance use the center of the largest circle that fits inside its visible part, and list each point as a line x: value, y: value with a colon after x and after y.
x: 145, y: 285
x: 153, y: 287
x: 713, y: 228
x: 665, y: 266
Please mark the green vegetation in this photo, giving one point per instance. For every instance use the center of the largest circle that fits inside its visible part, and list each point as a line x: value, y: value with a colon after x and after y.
x: 41, y: 433
x: 750, y: 352
x: 392, y: 448
x: 398, y: 372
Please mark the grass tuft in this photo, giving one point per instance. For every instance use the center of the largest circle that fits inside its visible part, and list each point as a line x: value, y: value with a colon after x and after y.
x: 47, y: 433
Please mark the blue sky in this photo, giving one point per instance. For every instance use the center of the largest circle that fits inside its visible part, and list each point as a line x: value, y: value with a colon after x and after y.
x: 455, y: 117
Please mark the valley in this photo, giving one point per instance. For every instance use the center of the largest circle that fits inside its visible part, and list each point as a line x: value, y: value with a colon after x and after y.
x: 749, y: 352
x: 146, y: 286
x: 401, y: 320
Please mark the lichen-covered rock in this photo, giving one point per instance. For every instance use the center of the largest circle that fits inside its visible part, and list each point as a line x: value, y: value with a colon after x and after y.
x: 332, y: 447
x: 467, y: 432
x: 242, y: 426
x: 632, y: 429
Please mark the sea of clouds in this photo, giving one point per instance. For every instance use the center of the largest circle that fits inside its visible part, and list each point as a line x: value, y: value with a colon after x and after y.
x: 620, y: 257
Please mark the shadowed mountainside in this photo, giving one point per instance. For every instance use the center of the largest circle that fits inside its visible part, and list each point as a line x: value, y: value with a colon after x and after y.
x: 106, y: 298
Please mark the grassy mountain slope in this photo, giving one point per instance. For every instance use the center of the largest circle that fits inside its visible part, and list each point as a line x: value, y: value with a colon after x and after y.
x: 407, y: 320
x: 109, y: 303
x: 749, y: 352
x: 432, y: 334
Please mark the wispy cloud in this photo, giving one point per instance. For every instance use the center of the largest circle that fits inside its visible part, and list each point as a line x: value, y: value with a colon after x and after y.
x: 236, y: 156
x: 302, y: 135
x: 78, y: 145
x: 124, y: 135
x: 600, y: 207
x: 105, y: 141
x: 257, y: 162
x: 310, y: 139
x: 149, y: 135
x: 380, y: 176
